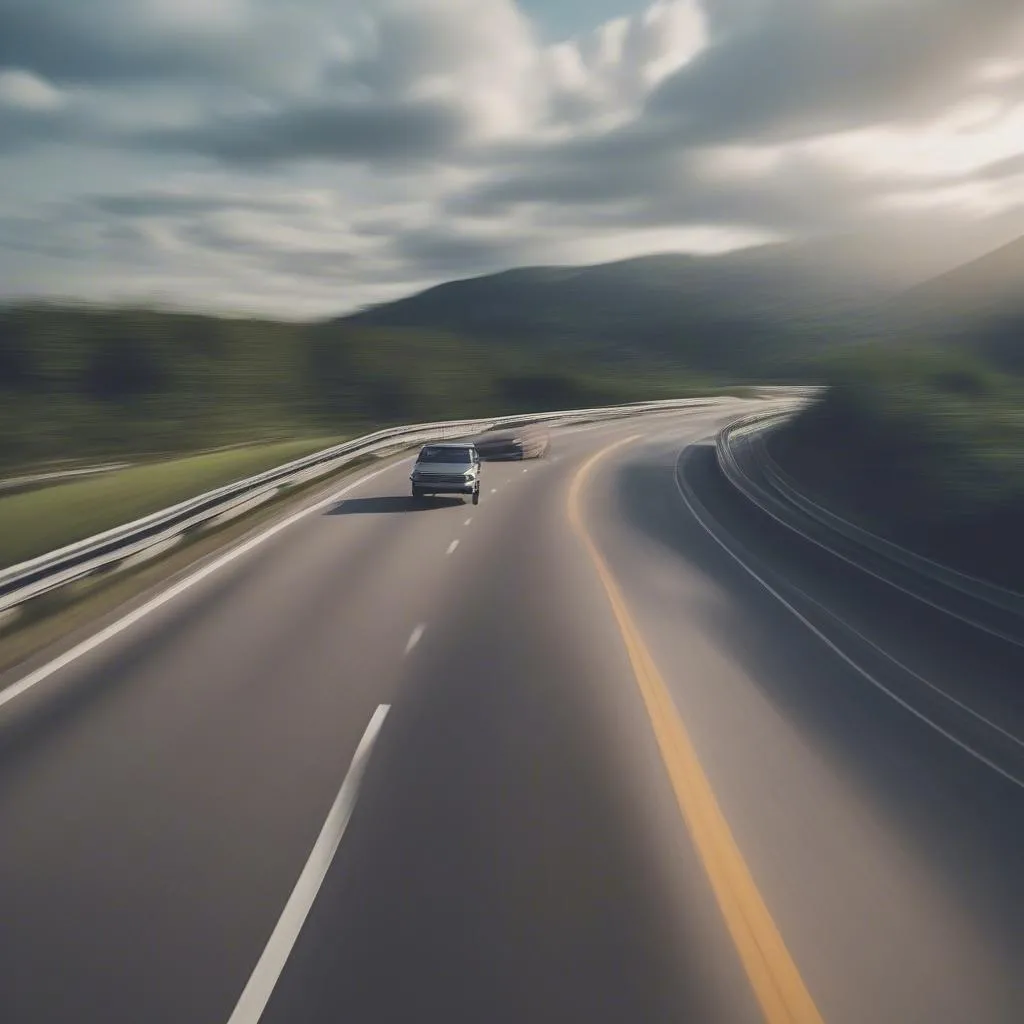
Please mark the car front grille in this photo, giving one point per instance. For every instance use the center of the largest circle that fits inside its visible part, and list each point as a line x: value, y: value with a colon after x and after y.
x: 441, y: 481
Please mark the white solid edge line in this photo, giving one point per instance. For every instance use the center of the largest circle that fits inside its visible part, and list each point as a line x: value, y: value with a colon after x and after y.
x: 91, y: 643
x: 414, y: 638
x: 965, y: 619
x: 909, y: 671
x: 966, y: 708
x: 451, y: 547
x: 260, y: 985
x: 884, y: 653
x: 832, y: 646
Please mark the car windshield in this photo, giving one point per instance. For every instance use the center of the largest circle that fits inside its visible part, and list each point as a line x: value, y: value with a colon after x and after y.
x: 445, y: 455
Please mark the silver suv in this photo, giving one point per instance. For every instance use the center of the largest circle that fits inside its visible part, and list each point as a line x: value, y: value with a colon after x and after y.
x: 447, y: 469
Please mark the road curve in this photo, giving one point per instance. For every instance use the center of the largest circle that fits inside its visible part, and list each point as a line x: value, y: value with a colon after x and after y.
x: 441, y: 702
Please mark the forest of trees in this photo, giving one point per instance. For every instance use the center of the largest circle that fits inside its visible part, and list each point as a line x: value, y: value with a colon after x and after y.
x: 81, y: 382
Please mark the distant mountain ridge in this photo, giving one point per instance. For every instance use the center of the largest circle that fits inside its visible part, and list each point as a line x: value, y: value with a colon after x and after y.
x: 763, y: 311
x: 978, y: 306
x: 754, y: 311
x: 983, y: 285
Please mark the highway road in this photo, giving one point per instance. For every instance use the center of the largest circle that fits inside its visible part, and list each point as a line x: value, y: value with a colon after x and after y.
x: 612, y: 746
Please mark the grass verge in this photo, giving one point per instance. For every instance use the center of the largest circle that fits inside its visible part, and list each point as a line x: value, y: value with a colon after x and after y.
x: 87, y: 604
x: 35, y: 522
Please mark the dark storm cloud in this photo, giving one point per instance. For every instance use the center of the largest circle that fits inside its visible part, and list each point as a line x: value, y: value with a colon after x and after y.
x: 80, y: 42
x: 576, y: 172
x: 344, y: 132
x: 24, y: 129
x: 795, y: 195
x: 115, y: 42
x: 794, y: 68
x: 164, y: 204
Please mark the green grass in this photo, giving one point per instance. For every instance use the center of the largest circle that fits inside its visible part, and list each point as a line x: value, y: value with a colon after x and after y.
x: 35, y: 522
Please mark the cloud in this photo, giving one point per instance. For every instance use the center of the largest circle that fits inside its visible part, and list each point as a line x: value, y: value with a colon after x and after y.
x: 22, y: 90
x: 605, y: 76
x: 181, y: 204
x: 116, y: 43
x: 32, y: 111
x: 802, y: 67
x: 796, y: 117
x: 344, y: 131
x: 316, y: 154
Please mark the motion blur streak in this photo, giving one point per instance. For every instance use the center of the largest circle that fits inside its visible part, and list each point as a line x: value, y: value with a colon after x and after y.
x: 774, y: 976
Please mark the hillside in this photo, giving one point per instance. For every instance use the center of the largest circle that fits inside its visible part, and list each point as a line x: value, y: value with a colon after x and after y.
x: 755, y: 312
x: 923, y: 445
x: 978, y: 306
x: 83, y: 382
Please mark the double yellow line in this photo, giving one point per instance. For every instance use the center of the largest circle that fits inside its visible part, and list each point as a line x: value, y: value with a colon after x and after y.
x: 776, y: 982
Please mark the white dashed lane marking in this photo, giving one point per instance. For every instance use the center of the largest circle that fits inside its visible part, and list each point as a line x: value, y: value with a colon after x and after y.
x: 451, y: 547
x: 260, y: 986
x: 414, y: 638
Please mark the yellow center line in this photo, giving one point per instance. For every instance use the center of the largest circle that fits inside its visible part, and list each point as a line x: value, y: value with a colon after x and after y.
x: 773, y: 975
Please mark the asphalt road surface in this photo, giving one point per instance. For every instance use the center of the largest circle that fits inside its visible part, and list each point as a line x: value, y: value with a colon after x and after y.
x: 610, y: 747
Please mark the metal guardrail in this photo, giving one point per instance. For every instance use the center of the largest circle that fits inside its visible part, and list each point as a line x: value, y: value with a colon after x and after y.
x: 982, y: 590
x: 104, y: 551
x: 18, y: 483
x: 941, y: 586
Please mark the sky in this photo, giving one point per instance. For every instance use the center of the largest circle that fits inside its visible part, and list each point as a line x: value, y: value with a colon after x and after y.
x: 557, y: 20
x: 305, y: 157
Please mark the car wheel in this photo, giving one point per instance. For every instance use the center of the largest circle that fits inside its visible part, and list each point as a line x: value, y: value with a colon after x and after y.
x: 476, y: 496
x: 416, y: 494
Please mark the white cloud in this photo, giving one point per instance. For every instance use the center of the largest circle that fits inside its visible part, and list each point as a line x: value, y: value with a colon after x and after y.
x: 22, y: 90
x: 602, y: 78
x: 965, y: 140
x: 476, y: 55
x: 670, y: 33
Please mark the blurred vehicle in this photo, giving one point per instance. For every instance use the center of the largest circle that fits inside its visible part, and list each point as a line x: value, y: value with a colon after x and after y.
x: 529, y: 442
x: 447, y: 469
